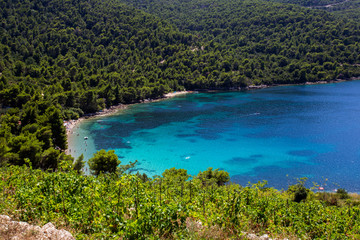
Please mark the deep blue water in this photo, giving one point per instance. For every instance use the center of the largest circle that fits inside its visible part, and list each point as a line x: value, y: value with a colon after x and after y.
x: 276, y: 134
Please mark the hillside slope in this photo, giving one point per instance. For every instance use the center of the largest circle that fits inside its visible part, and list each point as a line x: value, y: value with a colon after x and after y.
x: 61, y: 59
x: 69, y: 48
x: 344, y: 8
x: 264, y: 41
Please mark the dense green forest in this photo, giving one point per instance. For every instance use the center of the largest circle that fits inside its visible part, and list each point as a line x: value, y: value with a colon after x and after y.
x: 312, y: 3
x: 343, y: 8
x: 347, y: 9
x: 78, y: 52
x: 263, y: 42
x: 171, y: 206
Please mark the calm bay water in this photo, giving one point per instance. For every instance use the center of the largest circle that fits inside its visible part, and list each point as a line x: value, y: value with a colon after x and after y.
x: 275, y: 134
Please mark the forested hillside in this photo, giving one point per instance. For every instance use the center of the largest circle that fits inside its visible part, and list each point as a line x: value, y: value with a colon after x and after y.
x: 61, y: 59
x: 344, y: 8
x: 264, y: 42
x: 79, y: 52
x: 349, y: 9
x: 312, y: 3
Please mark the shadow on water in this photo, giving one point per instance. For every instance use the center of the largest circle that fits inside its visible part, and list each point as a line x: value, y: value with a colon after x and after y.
x: 265, y: 134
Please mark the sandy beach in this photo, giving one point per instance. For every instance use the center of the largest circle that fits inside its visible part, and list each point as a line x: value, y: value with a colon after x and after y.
x: 71, y: 124
x: 112, y: 110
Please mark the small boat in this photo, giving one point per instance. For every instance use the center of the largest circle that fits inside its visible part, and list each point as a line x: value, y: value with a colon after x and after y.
x: 85, y: 138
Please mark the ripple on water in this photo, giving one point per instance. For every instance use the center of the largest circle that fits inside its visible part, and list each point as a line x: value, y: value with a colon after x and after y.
x: 277, y: 134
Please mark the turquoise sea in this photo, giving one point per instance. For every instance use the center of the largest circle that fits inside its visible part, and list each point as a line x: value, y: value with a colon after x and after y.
x: 276, y: 134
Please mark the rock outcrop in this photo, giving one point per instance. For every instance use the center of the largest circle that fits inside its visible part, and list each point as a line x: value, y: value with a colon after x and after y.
x: 14, y: 230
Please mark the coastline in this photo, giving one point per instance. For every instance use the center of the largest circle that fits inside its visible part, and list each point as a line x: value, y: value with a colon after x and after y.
x: 96, y: 128
x: 70, y: 125
x: 252, y: 87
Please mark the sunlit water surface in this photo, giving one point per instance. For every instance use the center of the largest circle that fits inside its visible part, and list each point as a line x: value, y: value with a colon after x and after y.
x: 276, y: 134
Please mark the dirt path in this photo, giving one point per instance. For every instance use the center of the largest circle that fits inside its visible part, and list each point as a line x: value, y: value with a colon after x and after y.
x: 330, y: 5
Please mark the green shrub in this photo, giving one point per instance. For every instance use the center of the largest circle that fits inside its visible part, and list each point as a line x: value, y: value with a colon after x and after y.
x: 342, y: 193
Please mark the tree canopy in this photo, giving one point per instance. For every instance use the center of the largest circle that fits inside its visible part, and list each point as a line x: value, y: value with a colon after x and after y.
x: 210, y: 176
x: 104, y: 162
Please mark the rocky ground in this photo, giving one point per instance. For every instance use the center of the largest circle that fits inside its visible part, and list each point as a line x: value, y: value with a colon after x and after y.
x: 23, y: 231
x: 13, y: 230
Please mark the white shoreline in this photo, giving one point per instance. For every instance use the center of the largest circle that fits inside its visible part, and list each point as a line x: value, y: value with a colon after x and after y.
x: 71, y: 124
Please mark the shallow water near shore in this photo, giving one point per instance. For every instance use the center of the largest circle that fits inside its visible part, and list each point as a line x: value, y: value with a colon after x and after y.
x: 276, y: 134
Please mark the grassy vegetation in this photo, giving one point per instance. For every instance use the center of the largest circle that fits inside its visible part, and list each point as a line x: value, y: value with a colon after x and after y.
x: 171, y: 207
